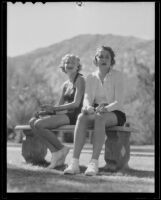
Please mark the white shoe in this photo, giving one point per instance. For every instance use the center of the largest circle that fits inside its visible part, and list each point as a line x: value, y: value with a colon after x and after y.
x: 65, y: 151
x: 54, y: 159
x: 58, y: 157
x: 73, y: 168
x: 92, y: 169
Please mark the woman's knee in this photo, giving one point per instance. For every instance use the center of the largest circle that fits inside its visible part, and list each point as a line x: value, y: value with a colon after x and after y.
x: 105, y: 119
x: 32, y: 121
x: 82, y: 118
x: 38, y: 124
x: 99, y: 119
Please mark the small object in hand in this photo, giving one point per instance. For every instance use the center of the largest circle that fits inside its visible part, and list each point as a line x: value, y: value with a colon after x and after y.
x: 43, y: 113
x: 101, y: 108
x: 36, y: 114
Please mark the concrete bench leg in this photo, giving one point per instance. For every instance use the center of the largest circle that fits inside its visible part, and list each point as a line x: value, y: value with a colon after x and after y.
x: 117, y: 150
x: 33, y: 150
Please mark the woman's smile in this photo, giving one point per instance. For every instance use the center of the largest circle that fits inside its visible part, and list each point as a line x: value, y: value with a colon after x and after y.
x: 70, y: 68
x: 103, y: 64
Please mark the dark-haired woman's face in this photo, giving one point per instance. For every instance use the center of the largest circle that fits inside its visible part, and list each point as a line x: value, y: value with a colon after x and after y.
x: 103, y: 58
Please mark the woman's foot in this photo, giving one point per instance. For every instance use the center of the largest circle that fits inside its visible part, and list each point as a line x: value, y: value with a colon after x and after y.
x: 73, y: 168
x: 92, y: 168
x: 58, y: 157
x: 65, y: 152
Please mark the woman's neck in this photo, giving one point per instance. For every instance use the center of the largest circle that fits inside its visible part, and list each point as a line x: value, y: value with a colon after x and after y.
x: 72, y: 76
x: 103, y: 73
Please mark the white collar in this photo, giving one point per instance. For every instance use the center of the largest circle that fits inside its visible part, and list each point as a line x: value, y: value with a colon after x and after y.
x: 96, y: 73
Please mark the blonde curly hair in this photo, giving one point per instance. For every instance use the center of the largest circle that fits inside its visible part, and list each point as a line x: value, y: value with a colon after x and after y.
x: 75, y: 59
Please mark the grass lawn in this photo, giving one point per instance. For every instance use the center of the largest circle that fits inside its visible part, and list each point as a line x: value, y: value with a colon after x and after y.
x: 22, y: 177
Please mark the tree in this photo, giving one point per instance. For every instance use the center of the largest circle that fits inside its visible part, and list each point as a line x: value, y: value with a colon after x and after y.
x: 145, y: 94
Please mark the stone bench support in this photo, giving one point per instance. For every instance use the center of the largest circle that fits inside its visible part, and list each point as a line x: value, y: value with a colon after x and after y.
x: 117, y: 145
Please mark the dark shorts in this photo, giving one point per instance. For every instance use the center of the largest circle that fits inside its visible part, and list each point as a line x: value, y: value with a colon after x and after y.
x: 72, y: 118
x: 121, y: 117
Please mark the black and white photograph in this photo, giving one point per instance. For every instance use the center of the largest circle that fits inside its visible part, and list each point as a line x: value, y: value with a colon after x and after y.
x: 80, y: 97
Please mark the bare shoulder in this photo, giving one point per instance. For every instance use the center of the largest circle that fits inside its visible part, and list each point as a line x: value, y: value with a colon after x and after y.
x: 80, y: 80
x: 66, y: 82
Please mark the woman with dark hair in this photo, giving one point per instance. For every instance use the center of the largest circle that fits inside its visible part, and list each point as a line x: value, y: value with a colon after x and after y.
x: 102, y: 107
x: 65, y: 113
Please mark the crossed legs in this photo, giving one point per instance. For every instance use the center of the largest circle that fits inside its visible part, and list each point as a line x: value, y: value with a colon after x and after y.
x: 41, y: 127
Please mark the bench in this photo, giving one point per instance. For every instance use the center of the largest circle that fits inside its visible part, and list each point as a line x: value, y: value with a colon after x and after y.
x: 117, y: 145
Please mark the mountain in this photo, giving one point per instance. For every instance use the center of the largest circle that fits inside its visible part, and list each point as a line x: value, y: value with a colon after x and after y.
x: 47, y: 60
x: 84, y: 46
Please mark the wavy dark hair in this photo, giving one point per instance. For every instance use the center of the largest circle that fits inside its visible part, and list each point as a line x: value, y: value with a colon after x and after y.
x: 110, y: 50
x: 76, y: 58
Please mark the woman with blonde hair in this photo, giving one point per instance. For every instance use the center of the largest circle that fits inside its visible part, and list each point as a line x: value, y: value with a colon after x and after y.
x: 65, y: 113
x: 102, y: 107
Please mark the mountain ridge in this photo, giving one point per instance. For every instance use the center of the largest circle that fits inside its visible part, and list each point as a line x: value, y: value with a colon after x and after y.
x: 78, y: 36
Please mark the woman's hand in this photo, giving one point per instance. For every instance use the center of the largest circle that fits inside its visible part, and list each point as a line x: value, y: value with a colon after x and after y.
x: 41, y: 113
x: 101, y: 109
x: 36, y: 115
x: 88, y: 110
x: 47, y: 108
x: 61, y: 112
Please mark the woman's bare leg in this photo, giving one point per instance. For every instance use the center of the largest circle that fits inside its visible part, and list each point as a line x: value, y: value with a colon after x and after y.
x: 42, y: 139
x: 101, y: 121
x: 40, y: 127
x: 80, y: 132
x: 43, y: 126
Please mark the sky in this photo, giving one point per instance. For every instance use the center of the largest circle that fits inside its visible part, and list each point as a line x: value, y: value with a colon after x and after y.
x: 32, y: 26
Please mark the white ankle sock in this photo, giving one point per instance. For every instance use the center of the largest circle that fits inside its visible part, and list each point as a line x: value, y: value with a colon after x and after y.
x: 75, y: 161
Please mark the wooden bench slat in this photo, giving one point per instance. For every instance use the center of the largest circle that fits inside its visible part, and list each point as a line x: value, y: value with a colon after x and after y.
x: 71, y: 127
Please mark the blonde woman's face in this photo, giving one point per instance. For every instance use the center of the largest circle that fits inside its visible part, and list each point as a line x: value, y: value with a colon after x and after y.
x: 103, y: 58
x: 70, y: 65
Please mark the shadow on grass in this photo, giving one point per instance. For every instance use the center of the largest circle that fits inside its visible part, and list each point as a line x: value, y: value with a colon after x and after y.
x: 28, y: 178
x: 57, y: 173
x: 125, y: 172
x: 102, y: 171
x: 45, y: 164
x: 138, y: 173
x: 129, y: 172
x: 42, y: 180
